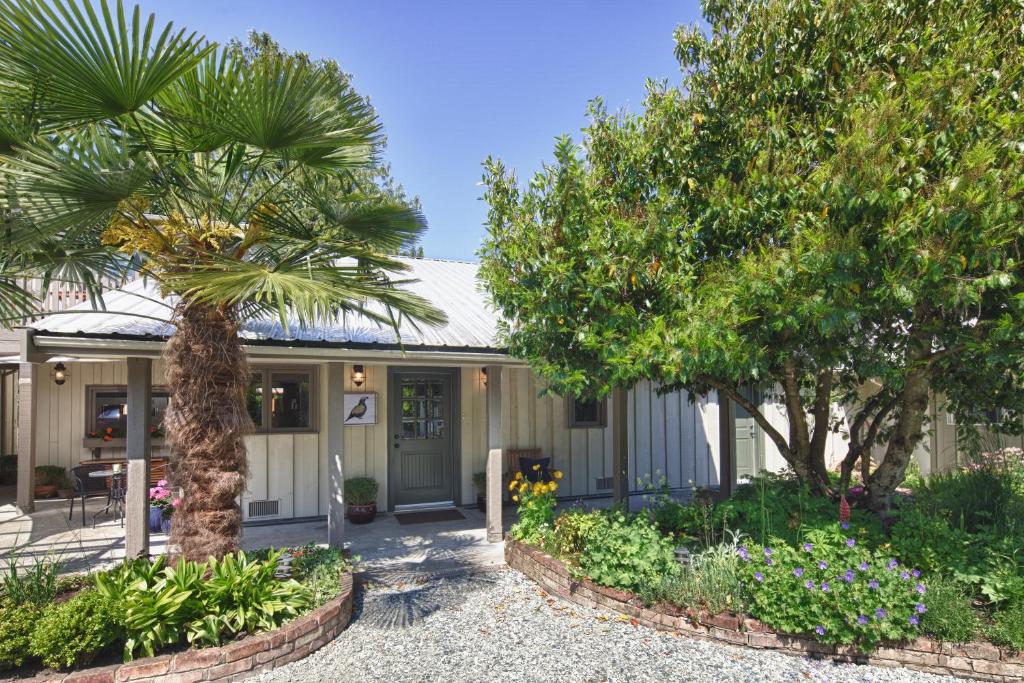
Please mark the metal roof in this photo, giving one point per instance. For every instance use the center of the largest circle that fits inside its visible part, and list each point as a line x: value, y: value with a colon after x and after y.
x: 138, y: 310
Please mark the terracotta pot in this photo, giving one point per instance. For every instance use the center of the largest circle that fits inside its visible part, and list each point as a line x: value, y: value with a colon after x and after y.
x: 66, y: 493
x: 481, y: 503
x: 362, y: 514
x: 45, y: 490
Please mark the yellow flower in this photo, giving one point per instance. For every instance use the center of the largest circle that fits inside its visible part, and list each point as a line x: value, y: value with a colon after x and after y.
x: 536, y: 468
x: 515, y: 499
x: 553, y: 486
x: 511, y: 485
x: 519, y: 476
x: 556, y: 474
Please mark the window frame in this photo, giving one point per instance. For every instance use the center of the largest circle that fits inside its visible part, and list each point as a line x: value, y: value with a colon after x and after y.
x: 93, y: 390
x: 265, y: 372
x: 602, y: 414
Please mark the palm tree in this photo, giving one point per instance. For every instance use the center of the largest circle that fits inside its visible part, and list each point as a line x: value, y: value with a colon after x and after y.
x: 227, y: 180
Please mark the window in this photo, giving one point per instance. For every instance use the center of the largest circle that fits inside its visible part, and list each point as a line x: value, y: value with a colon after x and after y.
x: 587, y: 413
x: 423, y: 403
x: 107, y: 411
x: 281, y: 400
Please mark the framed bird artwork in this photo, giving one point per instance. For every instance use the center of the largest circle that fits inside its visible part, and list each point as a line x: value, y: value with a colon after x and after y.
x: 360, y: 409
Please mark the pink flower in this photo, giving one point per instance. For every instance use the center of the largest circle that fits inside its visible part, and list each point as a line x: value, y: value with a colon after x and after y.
x: 162, y: 483
x: 176, y: 502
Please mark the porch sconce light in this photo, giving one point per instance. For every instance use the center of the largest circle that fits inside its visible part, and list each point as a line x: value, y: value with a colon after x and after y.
x: 483, y: 376
x: 60, y: 374
x: 358, y: 375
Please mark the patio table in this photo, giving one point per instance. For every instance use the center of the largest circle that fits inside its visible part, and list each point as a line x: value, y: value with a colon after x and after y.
x: 117, y: 492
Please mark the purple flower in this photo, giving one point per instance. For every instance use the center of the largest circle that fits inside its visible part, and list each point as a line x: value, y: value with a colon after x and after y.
x: 849, y: 576
x: 904, y: 575
x: 892, y: 564
x: 768, y: 552
x: 768, y: 561
x: 823, y: 565
x: 742, y: 552
x: 808, y: 547
x: 880, y: 613
x: 844, y: 525
x: 862, y: 620
x: 921, y: 609
x: 873, y: 584
x: 850, y: 543
x: 919, y: 588
x: 824, y: 586
x: 916, y: 573
x: 820, y: 630
x: 798, y: 572
x: 809, y: 584
x: 914, y: 621
x: 863, y: 566
x: 759, y: 576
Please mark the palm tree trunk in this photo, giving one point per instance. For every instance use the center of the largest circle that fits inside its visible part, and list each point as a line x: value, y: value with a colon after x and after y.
x: 207, y: 374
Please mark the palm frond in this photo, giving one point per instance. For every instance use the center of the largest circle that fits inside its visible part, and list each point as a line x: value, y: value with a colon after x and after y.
x: 382, y: 225
x: 99, y: 66
x: 16, y: 302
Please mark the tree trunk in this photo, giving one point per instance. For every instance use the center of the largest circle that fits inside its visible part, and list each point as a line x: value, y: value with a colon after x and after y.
x: 207, y: 375
x: 906, y: 433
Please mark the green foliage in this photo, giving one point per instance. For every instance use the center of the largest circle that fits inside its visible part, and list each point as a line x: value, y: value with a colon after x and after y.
x: 1008, y: 627
x: 480, y: 482
x: 51, y: 475
x: 712, y: 581
x: 536, y: 507
x: 950, y: 617
x: 361, y: 490
x: 16, y: 624
x: 31, y: 583
x: 834, y: 589
x: 73, y: 632
x: 569, y: 538
x: 625, y: 551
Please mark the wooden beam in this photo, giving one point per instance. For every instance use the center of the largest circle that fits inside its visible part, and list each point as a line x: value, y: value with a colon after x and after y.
x: 137, y: 444
x: 620, y: 446
x: 335, y: 454
x: 727, y: 455
x: 495, y: 455
x: 27, y: 374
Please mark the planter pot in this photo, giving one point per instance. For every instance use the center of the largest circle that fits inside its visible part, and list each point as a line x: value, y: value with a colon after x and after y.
x: 481, y: 503
x: 66, y: 493
x: 156, y: 519
x: 165, y: 525
x: 45, y: 490
x: 362, y: 514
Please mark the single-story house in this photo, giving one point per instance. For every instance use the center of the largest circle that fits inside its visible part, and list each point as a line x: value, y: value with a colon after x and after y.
x: 419, y: 411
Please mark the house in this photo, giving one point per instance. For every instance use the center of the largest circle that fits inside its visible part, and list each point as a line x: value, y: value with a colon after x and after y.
x: 419, y: 411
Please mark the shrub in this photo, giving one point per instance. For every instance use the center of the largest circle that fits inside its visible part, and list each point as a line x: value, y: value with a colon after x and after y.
x: 36, y: 583
x: 16, y: 624
x: 833, y: 588
x: 626, y: 552
x: 73, y: 632
x: 51, y: 475
x: 712, y: 581
x: 536, y: 502
x: 949, y: 617
x: 570, y: 534
x: 480, y: 482
x: 1008, y: 627
x: 928, y: 541
x: 361, y: 490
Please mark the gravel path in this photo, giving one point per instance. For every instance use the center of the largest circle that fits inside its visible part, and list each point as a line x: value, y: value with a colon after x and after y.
x: 499, y: 626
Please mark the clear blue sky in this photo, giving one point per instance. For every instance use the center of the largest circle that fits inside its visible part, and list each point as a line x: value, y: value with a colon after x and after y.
x: 456, y: 81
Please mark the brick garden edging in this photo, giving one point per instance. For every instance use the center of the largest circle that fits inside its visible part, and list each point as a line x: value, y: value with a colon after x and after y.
x: 240, y: 659
x: 982, y: 661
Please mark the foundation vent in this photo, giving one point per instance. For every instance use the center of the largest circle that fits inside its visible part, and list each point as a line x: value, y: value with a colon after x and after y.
x: 604, y: 483
x: 264, y: 508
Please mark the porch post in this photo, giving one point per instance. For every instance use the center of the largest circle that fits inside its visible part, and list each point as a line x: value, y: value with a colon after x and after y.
x: 727, y: 457
x: 27, y: 372
x: 335, y: 454
x: 620, y: 446
x: 495, y: 455
x: 137, y: 444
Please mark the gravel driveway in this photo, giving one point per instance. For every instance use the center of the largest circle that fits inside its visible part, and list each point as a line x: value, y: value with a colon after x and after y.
x: 498, y: 626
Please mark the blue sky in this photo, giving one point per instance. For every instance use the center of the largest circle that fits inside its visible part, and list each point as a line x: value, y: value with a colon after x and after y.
x: 456, y: 81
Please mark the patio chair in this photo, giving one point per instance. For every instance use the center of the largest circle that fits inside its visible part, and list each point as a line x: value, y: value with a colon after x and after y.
x: 522, y: 460
x: 87, y: 487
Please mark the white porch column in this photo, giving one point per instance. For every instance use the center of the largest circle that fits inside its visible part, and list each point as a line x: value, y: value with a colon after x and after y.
x: 335, y: 454
x: 495, y: 455
x: 137, y: 444
x: 620, y: 446
x: 27, y: 373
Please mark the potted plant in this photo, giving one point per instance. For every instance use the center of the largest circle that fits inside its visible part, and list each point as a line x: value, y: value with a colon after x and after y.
x: 161, y: 506
x: 361, y: 497
x: 49, y: 478
x: 480, y: 484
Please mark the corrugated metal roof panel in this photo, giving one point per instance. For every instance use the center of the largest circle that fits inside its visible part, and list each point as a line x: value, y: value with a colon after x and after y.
x: 138, y: 309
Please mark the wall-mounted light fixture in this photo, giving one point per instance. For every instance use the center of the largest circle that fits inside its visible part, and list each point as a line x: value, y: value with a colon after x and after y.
x: 358, y: 375
x: 483, y: 376
x: 60, y: 374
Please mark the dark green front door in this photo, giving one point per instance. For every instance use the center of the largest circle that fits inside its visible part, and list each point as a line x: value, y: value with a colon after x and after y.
x: 422, y: 458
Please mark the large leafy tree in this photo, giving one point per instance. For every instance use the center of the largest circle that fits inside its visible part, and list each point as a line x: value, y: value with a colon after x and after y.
x: 239, y: 180
x: 827, y: 208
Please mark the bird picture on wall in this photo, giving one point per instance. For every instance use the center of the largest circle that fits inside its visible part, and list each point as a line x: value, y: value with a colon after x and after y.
x: 360, y: 409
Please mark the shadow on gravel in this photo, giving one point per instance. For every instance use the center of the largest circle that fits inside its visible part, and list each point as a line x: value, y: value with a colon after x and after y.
x: 406, y: 606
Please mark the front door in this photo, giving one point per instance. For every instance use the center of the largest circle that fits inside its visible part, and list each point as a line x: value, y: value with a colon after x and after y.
x: 422, y: 426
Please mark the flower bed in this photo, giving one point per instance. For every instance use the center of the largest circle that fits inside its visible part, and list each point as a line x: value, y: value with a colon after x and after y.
x: 975, y: 660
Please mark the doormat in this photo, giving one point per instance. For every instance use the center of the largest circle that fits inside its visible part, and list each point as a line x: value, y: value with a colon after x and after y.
x: 427, y: 516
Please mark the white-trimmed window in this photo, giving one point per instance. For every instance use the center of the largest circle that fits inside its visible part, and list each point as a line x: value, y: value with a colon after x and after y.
x: 282, y: 399
x: 586, y: 413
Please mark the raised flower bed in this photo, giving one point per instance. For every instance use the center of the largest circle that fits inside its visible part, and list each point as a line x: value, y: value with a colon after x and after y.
x: 974, y: 660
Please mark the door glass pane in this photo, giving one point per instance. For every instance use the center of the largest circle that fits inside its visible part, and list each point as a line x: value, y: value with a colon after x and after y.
x: 422, y: 407
x: 289, y: 407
